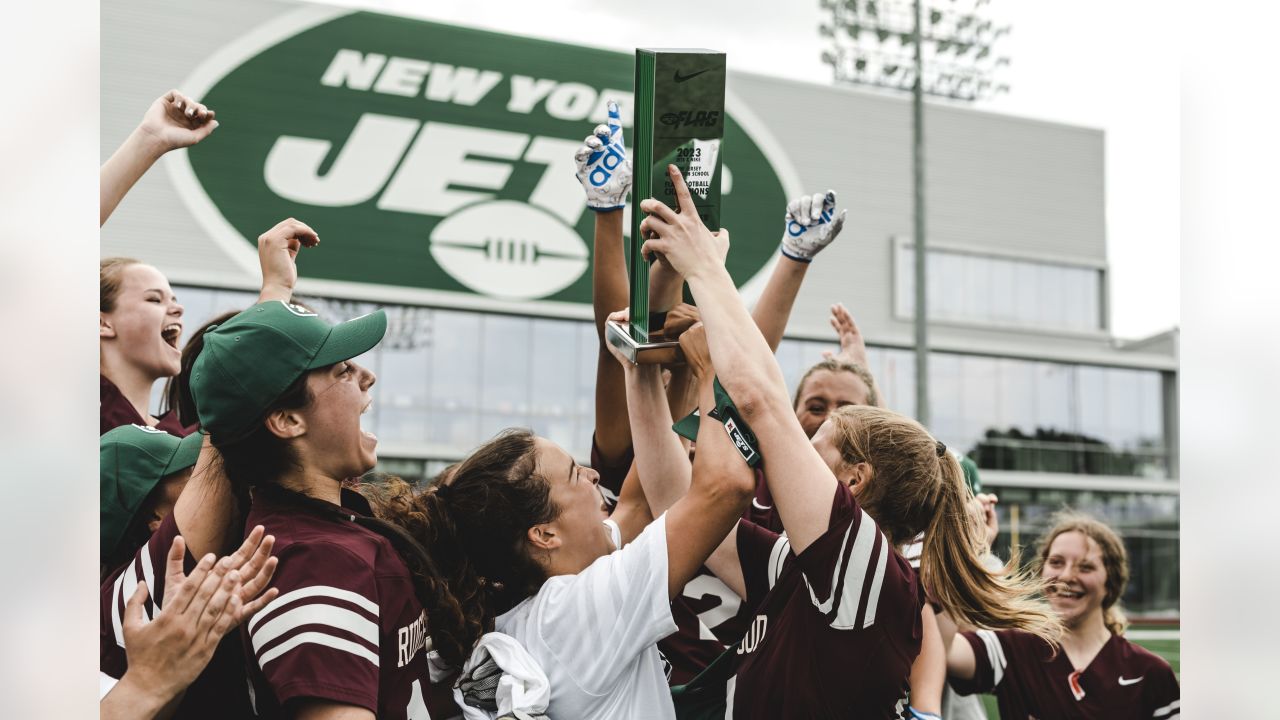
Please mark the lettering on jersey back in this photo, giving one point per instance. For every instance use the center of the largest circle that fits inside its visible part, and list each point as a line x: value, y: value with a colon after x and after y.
x: 754, y: 636
x: 411, y: 638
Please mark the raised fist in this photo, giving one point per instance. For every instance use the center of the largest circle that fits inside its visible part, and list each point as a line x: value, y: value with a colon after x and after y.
x: 603, y: 166
x: 811, y: 224
x: 176, y: 121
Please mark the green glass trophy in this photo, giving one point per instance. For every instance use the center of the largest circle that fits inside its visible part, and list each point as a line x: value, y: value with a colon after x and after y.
x: 679, y: 120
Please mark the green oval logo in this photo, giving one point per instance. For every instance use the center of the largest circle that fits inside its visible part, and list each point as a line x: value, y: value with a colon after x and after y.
x: 432, y: 157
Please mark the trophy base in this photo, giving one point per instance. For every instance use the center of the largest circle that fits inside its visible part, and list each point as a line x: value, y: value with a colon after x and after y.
x: 656, y: 351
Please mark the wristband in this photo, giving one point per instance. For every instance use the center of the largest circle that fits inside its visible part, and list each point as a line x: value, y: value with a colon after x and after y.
x: 783, y: 249
x: 727, y: 413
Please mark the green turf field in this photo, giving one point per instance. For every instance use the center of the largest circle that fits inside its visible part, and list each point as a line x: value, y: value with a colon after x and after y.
x: 1166, y: 648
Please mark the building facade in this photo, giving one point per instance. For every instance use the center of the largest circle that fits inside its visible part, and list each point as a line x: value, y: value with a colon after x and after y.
x: 416, y: 149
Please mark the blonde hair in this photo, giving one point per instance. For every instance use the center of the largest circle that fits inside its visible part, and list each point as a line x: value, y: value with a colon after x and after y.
x: 833, y: 365
x: 916, y: 486
x: 110, y: 277
x: 1115, y: 560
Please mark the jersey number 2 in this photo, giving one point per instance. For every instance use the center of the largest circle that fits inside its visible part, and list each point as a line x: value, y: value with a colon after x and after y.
x: 704, y: 585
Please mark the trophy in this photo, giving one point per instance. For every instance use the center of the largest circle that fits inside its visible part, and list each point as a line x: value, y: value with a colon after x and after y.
x: 679, y: 120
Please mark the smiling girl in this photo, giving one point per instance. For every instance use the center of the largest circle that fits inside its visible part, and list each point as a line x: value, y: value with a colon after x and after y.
x: 139, y: 323
x: 1097, y: 672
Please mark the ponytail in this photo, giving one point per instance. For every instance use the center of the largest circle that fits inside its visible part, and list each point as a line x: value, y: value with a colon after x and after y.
x: 916, y: 486
x: 474, y: 526
x: 950, y: 567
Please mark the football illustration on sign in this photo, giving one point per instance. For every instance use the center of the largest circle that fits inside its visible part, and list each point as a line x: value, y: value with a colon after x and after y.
x: 433, y: 158
x: 510, y: 250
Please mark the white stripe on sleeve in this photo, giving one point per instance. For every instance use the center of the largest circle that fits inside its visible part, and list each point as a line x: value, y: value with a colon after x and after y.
x: 877, y: 583
x: 995, y: 655
x: 317, y: 638
x: 149, y: 576
x: 323, y: 591
x: 859, y: 559
x: 1164, y: 711
x: 117, y: 612
x: 315, y: 614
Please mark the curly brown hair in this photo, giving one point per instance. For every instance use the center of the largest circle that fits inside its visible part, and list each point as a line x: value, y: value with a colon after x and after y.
x: 474, y: 525
x: 1115, y: 560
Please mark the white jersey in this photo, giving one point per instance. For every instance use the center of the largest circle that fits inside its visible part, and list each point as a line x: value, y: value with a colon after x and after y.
x: 595, y: 633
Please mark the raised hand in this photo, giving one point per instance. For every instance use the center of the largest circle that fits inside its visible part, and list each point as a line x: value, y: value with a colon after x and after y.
x: 176, y: 121
x: 679, y: 319
x: 277, y: 253
x: 984, y: 513
x: 680, y: 237
x: 853, y: 347
x: 811, y: 224
x: 603, y: 166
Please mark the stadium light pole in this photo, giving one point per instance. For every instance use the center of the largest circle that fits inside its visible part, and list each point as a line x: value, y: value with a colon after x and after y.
x: 951, y: 30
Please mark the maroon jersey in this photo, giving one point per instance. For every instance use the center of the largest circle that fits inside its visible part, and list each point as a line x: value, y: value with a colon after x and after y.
x: 710, y: 616
x: 221, y: 690
x: 762, y: 511
x: 114, y: 410
x: 346, y: 626
x: 838, y: 625
x: 1030, y: 681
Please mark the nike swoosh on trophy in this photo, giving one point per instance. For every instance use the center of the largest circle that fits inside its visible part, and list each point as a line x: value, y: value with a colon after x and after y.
x: 681, y: 78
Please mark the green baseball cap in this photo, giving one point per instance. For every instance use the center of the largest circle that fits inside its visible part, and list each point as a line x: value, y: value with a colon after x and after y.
x: 132, y: 460
x: 251, y: 359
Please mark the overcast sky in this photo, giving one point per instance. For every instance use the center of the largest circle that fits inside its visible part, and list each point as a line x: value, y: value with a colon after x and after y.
x: 1107, y: 65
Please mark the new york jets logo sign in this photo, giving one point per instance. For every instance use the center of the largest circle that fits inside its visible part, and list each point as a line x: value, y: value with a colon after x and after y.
x: 434, y: 158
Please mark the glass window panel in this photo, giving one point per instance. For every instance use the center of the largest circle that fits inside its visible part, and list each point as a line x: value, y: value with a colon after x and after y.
x: 977, y: 288
x: 897, y: 380
x: 1124, y: 407
x: 945, y: 405
x: 1054, y: 397
x: 980, y: 288
x: 1016, y: 396
x: 1091, y: 396
x: 588, y: 350
x: 1151, y: 421
x: 1051, y: 295
x: 455, y: 379
x: 554, y: 362
x: 504, y: 359
x: 979, y: 388
x: 1026, y: 290
x: 947, y: 286
x: 409, y: 426
x: 1004, y: 299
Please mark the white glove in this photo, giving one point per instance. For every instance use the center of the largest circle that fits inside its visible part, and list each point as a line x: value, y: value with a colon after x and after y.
x: 811, y: 225
x: 603, y: 166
